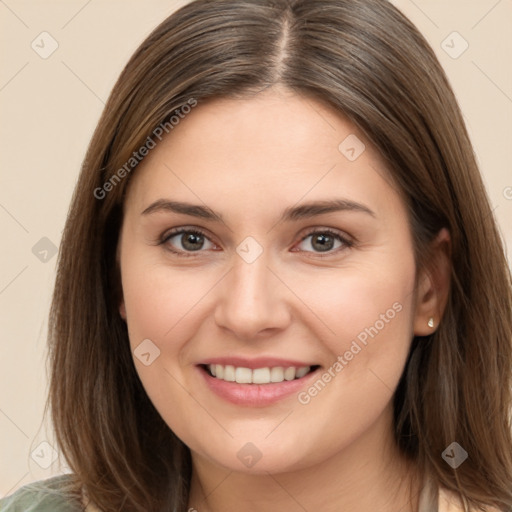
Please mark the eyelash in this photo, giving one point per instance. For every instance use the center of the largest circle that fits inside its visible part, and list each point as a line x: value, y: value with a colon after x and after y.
x: 188, y: 254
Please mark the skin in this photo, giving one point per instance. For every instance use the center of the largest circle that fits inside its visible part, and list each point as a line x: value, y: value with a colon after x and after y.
x: 248, y: 160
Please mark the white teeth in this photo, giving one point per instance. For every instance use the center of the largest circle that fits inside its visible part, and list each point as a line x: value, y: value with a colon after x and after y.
x: 301, y: 372
x: 243, y: 375
x: 265, y: 375
x: 229, y: 373
x: 289, y: 373
x: 276, y: 374
x: 261, y: 376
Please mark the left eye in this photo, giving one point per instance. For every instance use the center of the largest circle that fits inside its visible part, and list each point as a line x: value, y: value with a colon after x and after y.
x: 325, y: 241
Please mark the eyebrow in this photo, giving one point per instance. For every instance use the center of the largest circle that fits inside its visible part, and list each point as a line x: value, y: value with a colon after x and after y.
x: 292, y: 213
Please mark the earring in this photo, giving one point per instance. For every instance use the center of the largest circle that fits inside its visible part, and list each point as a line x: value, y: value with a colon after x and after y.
x: 430, y: 322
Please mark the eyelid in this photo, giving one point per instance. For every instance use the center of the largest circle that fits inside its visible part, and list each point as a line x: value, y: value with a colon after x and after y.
x: 183, y: 229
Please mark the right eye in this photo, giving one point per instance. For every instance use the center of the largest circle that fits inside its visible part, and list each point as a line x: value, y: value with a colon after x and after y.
x: 188, y: 241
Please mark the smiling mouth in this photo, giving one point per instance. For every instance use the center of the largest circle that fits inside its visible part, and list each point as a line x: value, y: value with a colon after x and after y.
x: 264, y: 375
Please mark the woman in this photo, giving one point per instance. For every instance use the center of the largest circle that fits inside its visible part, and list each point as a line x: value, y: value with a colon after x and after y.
x: 280, y: 283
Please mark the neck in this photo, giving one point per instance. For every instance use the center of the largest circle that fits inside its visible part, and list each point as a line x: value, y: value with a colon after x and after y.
x: 368, y: 475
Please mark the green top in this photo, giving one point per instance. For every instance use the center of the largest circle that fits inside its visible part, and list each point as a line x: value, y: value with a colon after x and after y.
x: 46, y: 496
x: 41, y: 496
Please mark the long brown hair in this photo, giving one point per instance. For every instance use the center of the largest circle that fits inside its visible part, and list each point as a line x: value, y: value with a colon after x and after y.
x: 367, y: 61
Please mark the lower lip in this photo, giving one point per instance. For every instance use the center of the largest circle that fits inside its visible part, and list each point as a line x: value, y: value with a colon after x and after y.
x: 254, y: 395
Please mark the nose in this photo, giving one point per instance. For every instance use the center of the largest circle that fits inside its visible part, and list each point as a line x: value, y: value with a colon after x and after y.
x: 252, y: 301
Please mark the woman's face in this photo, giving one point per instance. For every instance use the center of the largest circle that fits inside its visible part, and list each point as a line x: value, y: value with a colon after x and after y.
x: 296, y: 254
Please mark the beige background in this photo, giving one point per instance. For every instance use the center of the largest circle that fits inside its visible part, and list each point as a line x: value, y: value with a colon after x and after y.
x: 49, y: 108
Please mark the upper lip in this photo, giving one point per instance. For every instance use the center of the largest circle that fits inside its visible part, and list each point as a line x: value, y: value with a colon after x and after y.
x: 259, y: 362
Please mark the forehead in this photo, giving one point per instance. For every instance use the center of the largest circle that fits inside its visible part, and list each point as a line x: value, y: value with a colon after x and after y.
x: 273, y: 122
x: 264, y: 148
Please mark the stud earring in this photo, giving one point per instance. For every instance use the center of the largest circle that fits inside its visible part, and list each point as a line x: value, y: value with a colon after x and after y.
x: 430, y: 322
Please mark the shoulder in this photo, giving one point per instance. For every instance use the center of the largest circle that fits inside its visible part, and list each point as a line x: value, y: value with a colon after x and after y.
x: 41, y: 496
x: 450, y: 502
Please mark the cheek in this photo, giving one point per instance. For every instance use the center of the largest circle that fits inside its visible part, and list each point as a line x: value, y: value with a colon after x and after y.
x: 364, y: 318
x: 160, y: 305
x: 363, y: 304
x: 370, y: 315
x: 159, y: 298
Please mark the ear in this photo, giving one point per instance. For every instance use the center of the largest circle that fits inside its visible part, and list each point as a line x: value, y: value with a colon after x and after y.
x: 433, y: 286
x: 122, y: 309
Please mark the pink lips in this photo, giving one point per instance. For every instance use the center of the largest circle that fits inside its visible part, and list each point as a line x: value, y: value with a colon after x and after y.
x: 254, y: 395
